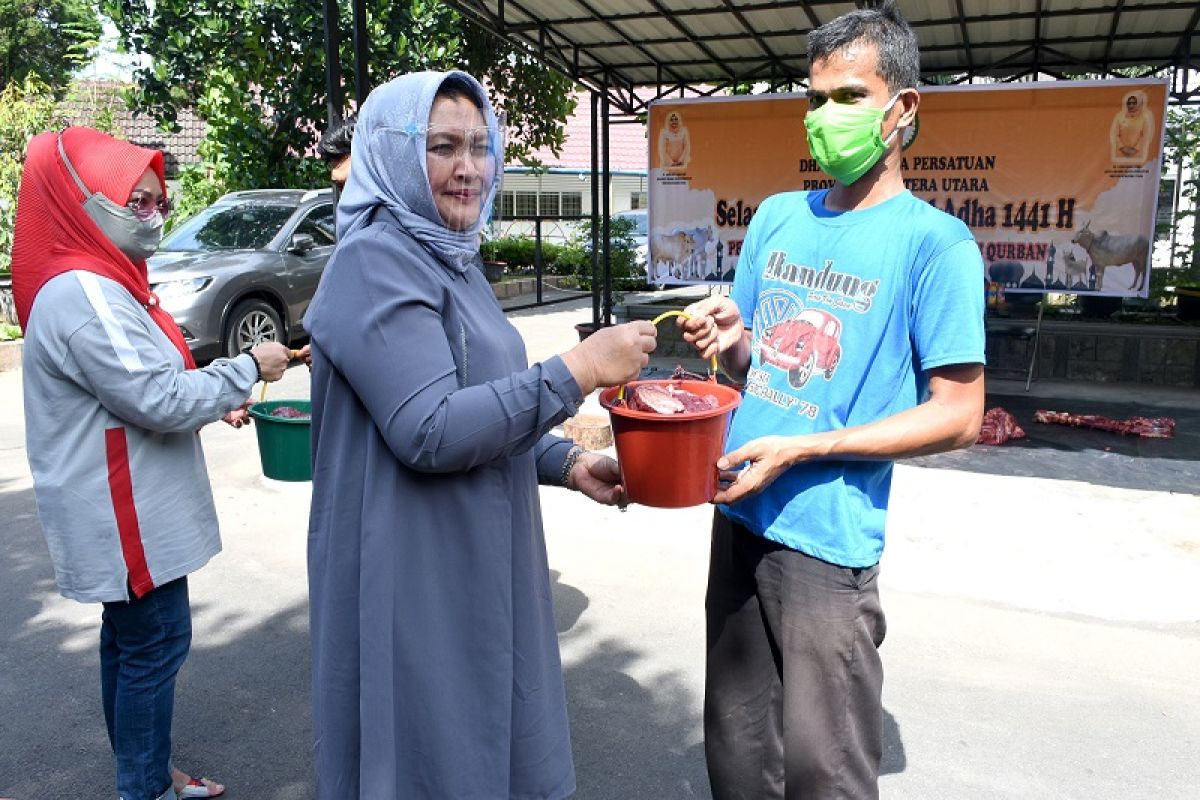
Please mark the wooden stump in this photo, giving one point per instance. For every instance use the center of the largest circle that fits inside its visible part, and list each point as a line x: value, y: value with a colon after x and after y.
x: 589, y: 431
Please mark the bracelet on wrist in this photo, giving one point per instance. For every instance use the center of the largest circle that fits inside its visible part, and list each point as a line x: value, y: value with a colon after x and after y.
x: 569, y: 464
x: 257, y: 366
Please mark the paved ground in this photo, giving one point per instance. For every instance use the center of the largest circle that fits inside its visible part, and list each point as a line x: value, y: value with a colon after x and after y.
x: 1044, y: 632
x: 1091, y: 456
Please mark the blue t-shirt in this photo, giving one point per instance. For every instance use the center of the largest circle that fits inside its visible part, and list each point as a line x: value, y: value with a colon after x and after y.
x: 847, y: 311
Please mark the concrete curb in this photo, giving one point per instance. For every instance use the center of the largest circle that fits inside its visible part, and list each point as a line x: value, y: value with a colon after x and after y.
x: 519, y: 286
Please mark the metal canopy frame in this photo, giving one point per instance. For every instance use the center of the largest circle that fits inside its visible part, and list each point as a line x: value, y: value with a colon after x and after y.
x: 705, y: 46
x: 629, y: 53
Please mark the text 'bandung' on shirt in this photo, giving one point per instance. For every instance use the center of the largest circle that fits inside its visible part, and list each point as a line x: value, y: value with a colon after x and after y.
x: 841, y: 289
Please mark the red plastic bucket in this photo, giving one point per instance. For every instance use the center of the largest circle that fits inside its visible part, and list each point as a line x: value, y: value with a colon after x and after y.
x: 670, y: 460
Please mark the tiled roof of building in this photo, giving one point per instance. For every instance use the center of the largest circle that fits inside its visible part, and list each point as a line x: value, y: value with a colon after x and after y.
x: 89, y: 100
x: 628, y: 151
x: 627, y: 140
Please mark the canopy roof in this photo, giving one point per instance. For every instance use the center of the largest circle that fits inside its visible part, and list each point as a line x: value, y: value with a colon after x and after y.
x: 703, y: 46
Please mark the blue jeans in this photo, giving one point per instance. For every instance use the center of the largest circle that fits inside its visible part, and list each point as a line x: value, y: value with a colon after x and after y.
x: 143, y: 643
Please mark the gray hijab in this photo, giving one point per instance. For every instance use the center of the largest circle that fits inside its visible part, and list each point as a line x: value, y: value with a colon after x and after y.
x: 387, y: 166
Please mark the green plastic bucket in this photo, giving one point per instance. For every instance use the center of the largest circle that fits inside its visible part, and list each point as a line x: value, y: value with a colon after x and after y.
x: 284, y: 445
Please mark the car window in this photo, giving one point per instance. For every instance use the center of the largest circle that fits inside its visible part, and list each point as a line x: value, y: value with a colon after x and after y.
x: 243, y: 226
x: 319, y: 225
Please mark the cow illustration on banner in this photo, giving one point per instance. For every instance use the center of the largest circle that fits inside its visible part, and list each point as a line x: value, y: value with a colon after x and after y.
x: 1057, y: 181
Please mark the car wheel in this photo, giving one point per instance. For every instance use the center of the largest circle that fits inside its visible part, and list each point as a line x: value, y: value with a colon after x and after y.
x: 251, y: 322
x: 833, y: 362
x: 799, y: 376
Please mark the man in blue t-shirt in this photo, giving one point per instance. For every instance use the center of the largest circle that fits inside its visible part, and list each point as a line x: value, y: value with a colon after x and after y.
x: 856, y: 324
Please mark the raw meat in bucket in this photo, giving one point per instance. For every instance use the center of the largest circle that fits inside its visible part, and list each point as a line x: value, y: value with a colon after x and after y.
x: 287, y: 412
x: 667, y: 399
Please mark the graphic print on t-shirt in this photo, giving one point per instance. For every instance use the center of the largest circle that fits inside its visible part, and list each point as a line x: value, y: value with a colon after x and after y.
x: 801, y: 336
x: 809, y: 341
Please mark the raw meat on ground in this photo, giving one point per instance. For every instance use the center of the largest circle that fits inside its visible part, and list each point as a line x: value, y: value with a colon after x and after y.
x: 1148, y: 427
x: 998, y: 427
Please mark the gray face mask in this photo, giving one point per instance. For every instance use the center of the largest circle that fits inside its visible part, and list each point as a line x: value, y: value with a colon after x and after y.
x: 136, y: 238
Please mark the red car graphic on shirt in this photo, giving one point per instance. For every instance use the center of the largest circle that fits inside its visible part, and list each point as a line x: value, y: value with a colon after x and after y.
x: 808, y: 341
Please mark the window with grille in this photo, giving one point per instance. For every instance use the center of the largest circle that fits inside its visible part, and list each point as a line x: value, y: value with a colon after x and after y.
x: 572, y: 204
x: 1165, y: 214
x: 526, y: 204
x: 548, y: 204
x: 639, y: 199
x: 505, y: 205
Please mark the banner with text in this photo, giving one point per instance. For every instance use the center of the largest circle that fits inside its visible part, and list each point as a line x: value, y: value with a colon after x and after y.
x: 1057, y: 181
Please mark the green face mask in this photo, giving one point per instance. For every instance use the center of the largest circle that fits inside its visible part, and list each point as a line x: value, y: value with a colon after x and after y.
x: 847, y: 140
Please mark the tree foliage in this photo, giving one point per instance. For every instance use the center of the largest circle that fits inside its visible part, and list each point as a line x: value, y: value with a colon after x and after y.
x: 1182, y: 150
x: 255, y: 72
x: 27, y: 108
x: 46, y: 38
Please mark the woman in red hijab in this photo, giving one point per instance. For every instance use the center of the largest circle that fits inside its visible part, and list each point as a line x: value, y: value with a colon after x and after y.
x: 113, y: 406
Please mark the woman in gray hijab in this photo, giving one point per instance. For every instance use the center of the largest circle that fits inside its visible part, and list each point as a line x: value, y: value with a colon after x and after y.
x: 436, y: 671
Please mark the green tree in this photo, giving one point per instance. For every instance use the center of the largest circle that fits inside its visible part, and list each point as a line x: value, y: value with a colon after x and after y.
x: 255, y: 72
x: 622, y: 255
x: 47, y: 38
x: 1181, y: 146
x: 27, y: 108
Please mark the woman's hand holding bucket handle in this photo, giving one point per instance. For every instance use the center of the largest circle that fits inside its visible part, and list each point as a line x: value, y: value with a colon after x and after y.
x: 611, y: 356
x: 273, y: 359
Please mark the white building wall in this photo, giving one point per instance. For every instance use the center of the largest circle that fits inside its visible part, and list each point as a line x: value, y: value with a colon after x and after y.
x: 627, y: 191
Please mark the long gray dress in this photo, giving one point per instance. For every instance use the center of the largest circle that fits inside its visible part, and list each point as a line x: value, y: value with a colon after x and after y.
x: 436, y: 671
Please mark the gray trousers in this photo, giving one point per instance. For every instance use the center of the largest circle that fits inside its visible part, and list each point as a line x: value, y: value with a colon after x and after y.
x: 793, y: 686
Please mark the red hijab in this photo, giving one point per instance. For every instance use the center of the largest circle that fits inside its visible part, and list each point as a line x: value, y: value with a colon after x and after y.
x: 54, y: 234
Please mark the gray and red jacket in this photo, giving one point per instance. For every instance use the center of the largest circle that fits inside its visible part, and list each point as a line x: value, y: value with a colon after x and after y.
x: 111, y: 430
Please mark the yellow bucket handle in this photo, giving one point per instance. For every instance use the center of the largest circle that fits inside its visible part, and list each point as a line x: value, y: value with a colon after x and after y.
x: 654, y: 322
